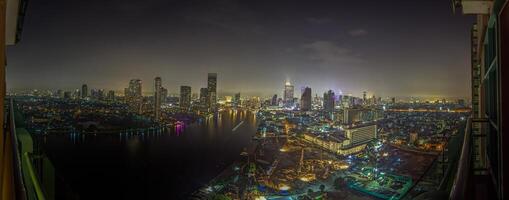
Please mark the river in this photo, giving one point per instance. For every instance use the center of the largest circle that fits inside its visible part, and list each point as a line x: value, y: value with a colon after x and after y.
x: 167, y: 165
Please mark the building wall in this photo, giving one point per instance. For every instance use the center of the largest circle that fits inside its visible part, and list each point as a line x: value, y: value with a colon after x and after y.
x: 358, y: 135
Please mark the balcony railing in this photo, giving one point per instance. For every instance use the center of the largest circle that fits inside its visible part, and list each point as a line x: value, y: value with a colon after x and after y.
x: 453, y: 183
x: 20, y: 179
x: 439, y: 177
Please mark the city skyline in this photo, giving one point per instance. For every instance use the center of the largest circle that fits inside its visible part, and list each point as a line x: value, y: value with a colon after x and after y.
x: 296, y: 92
x: 254, y: 100
x: 254, y: 48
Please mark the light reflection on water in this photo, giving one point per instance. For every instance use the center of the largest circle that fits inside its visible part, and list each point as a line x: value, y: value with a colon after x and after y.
x: 135, y: 163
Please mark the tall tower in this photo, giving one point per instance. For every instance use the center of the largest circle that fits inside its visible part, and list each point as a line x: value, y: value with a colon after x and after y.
x: 84, y: 91
x: 133, y: 95
x: 185, y: 97
x: 328, y: 101
x: 157, y: 98
x: 134, y: 89
x: 236, y: 100
x: 288, y: 94
x: 212, y: 92
x: 274, y: 100
x: 305, y: 100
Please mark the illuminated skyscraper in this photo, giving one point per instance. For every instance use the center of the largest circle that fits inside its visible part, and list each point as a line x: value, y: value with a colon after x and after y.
x: 84, y: 91
x: 288, y: 94
x: 157, y: 98
x: 328, y: 101
x: 305, y: 100
x: 185, y: 97
x: 212, y: 92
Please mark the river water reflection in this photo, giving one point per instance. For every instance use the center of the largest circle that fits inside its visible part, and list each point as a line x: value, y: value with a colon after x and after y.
x: 166, y: 165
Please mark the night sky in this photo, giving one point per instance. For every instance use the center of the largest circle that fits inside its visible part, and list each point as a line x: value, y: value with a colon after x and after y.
x: 389, y: 48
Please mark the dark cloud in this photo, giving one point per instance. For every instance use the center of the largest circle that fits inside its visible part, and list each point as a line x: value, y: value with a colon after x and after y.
x: 314, y: 20
x: 328, y: 52
x: 358, y: 32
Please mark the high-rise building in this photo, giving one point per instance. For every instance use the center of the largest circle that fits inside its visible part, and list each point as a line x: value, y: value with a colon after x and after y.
x: 236, y: 100
x: 67, y: 95
x: 134, y: 89
x: 157, y: 98
x: 97, y: 94
x: 347, y: 101
x: 203, y: 96
x: 305, y: 99
x: 111, y: 95
x: 76, y: 94
x: 212, y: 92
x: 59, y: 94
x: 360, y: 134
x: 185, y: 97
x: 84, y: 91
x: 288, y: 94
x: 274, y: 101
x: 133, y: 95
x: 164, y: 94
x: 328, y: 101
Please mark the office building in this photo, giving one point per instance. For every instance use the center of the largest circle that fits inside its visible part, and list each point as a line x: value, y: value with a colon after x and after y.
x: 288, y: 95
x: 133, y: 95
x: 212, y: 92
x: 59, y: 94
x: 157, y: 98
x: 185, y: 97
x: 352, y: 140
x: 67, y: 95
x: 360, y: 135
x: 111, y: 95
x: 84, y: 91
x: 134, y: 90
x: 236, y: 100
x: 274, y: 101
x: 328, y: 101
x: 305, y: 100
